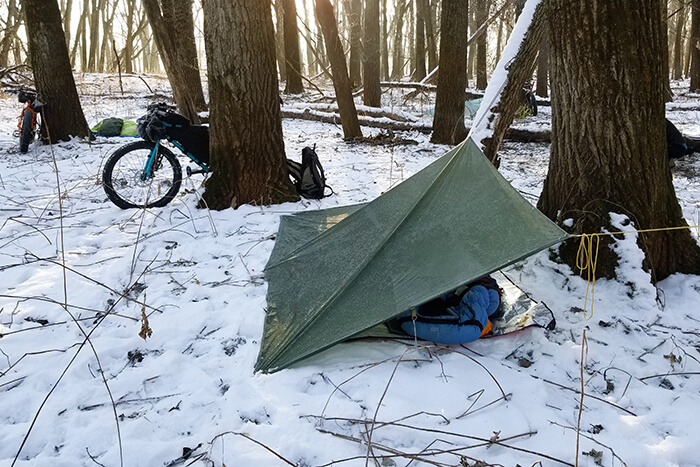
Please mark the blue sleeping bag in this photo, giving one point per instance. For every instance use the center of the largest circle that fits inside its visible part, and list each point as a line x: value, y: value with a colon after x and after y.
x: 456, y: 317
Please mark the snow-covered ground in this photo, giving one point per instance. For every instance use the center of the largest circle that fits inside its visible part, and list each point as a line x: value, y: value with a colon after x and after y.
x: 188, y: 395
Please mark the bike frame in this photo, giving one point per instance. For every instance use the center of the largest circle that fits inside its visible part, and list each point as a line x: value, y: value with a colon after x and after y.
x: 153, y: 159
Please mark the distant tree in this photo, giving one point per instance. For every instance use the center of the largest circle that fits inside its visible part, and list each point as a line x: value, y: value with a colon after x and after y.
x: 246, y: 144
x: 398, y: 57
x: 430, y: 36
x: 291, y: 49
x: 448, y: 123
x: 680, y: 15
x: 341, y: 81
x: 355, y: 17
x: 173, y: 29
x: 481, y: 15
x: 695, y: 46
x: 384, y: 34
x: 419, y: 47
x: 53, y: 78
x: 371, y: 63
x: 10, y: 34
x: 607, y: 155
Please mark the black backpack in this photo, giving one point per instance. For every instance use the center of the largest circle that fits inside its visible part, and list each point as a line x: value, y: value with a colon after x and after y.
x: 308, y: 176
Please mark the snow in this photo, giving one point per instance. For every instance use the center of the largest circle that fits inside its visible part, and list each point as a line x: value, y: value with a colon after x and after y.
x: 198, y: 277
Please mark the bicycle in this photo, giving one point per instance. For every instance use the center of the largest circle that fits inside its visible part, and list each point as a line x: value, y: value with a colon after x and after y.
x: 29, y: 119
x: 146, y: 174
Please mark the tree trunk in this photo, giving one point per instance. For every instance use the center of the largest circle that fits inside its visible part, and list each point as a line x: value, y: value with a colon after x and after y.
x: 341, y: 81
x: 94, y: 23
x: 448, y: 123
x: 173, y: 30
x: 53, y: 78
x: 291, y: 49
x: 481, y: 15
x: 279, y: 40
x: 397, y: 64
x: 385, y: 44
x: 419, y: 48
x: 371, y: 62
x: 543, y: 68
x: 67, y: 13
x: 695, y: 46
x: 11, y: 27
x: 519, y: 71
x: 678, y: 41
x: 607, y: 155
x: 430, y: 42
x: 355, y: 17
x: 246, y: 144
x: 129, y: 41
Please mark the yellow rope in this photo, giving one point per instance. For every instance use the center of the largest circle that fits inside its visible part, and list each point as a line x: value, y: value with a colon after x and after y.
x: 588, y: 253
x: 587, y: 257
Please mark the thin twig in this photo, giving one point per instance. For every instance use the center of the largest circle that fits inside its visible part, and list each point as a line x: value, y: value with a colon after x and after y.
x: 246, y: 436
x: 584, y: 348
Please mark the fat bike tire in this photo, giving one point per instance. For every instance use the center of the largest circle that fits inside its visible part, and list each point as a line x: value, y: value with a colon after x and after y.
x: 123, y: 181
x: 26, y: 132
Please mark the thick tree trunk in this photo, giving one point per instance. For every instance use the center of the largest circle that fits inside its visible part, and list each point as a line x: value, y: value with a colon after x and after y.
x: 448, y: 123
x: 62, y: 117
x: 173, y: 30
x: 370, y: 65
x: 246, y: 144
x: 341, y: 81
x: 607, y: 155
x: 695, y: 46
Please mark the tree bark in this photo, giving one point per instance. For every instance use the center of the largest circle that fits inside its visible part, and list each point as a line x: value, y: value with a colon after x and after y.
x: 356, y: 54
x: 448, y: 123
x: 481, y: 15
x: 385, y: 44
x: 246, y: 144
x: 341, y: 81
x: 291, y: 49
x: 398, y: 58
x: 53, y: 78
x: 607, y: 155
x: 173, y: 29
x: 543, y: 69
x: 695, y: 46
x: 419, y: 47
x: 678, y: 41
x: 371, y: 63
x: 129, y: 41
x: 519, y: 71
x: 11, y: 26
x: 279, y: 40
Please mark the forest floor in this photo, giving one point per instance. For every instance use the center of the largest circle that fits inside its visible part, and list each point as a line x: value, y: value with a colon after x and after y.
x: 615, y: 385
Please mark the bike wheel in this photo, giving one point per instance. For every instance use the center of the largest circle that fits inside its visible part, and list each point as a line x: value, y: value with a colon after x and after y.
x: 26, y: 132
x: 125, y: 184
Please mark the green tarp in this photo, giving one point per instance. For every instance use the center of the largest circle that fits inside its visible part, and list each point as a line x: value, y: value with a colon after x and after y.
x: 337, y: 272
